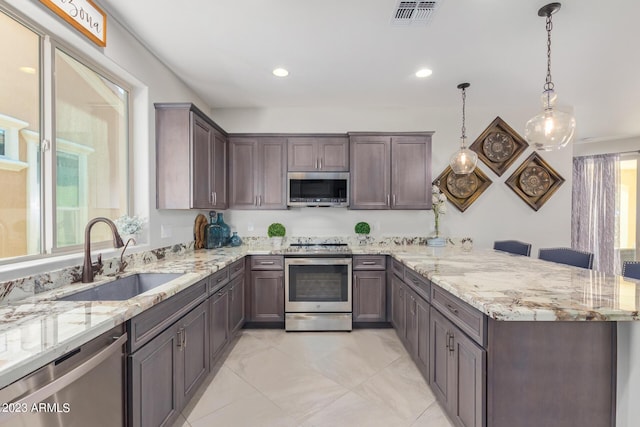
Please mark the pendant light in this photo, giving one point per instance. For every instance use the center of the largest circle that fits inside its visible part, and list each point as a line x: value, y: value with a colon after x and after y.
x: 463, y: 161
x: 551, y: 129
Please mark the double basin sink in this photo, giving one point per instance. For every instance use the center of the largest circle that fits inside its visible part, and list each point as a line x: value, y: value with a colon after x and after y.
x: 124, y: 288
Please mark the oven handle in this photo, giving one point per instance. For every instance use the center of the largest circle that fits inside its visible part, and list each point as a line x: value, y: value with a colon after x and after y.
x: 318, y: 261
x: 55, y: 386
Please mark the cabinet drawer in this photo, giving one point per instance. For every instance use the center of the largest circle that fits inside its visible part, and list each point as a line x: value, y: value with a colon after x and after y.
x: 150, y: 323
x: 369, y: 262
x: 418, y: 283
x: 236, y: 268
x: 267, y: 262
x: 218, y: 279
x: 397, y: 268
x: 467, y: 318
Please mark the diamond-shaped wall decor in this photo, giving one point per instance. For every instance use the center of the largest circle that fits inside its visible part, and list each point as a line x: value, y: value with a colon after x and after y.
x: 462, y: 190
x: 499, y: 146
x: 535, y: 181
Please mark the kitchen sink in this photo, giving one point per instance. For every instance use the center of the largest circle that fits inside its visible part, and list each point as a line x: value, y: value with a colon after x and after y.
x: 123, y: 288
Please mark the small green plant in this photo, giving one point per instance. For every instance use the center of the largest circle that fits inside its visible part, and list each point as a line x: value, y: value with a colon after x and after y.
x: 363, y: 228
x: 276, y: 230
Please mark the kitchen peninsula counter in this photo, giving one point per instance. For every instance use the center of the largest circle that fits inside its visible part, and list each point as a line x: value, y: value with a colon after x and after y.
x: 505, y: 287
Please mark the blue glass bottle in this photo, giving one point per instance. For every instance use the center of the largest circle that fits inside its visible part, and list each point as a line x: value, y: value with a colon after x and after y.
x: 235, y: 239
x: 213, y: 233
x: 226, y: 230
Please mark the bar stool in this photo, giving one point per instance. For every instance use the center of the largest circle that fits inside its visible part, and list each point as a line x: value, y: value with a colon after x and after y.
x: 513, y: 246
x: 567, y: 256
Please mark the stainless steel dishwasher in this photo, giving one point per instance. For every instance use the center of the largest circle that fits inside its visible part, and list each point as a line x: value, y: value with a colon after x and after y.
x: 85, y: 387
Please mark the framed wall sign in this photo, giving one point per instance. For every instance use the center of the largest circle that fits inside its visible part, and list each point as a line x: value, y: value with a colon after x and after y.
x: 462, y: 190
x: 535, y: 181
x: 84, y: 16
x: 498, y: 146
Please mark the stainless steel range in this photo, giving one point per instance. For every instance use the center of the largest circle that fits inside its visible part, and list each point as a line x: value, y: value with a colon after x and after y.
x: 318, y: 287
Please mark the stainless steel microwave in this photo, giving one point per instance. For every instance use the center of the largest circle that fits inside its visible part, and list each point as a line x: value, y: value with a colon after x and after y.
x: 330, y: 189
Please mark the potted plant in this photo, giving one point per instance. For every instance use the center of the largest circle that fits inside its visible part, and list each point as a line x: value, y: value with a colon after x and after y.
x: 129, y: 226
x: 362, y: 229
x: 276, y: 232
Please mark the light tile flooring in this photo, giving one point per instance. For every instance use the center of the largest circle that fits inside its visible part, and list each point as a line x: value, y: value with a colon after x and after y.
x: 275, y: 378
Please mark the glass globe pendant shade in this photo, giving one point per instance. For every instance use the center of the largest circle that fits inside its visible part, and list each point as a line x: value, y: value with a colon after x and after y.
x: 551, y: 129
x: 463, y: 161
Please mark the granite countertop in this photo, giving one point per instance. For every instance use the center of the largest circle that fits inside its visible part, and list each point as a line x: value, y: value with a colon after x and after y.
x: 37, y: 330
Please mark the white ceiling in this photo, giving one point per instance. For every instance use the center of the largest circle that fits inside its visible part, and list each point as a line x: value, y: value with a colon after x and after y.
x: 347, y: 53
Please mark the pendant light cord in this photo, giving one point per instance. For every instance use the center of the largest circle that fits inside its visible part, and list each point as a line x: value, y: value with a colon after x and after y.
x: 548, y: 85
x: 464, y: 129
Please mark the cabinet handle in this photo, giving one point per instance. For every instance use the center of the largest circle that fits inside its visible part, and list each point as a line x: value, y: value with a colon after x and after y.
x: 452, y: 309
x: 368, y: 263
x: 180, y: 338
x: 387, y: 200
x: 394, y: 200
x: 255, y: 201
x: 320, y: 162
x: 267, y: 262
x: 220, y: 279
x: 215, y: 197
x: 315, y: 166
x: 184, y: 339
x: 220, y: 293
x: 451, y: 345
x: 446, y: 344
x: 259, y: 200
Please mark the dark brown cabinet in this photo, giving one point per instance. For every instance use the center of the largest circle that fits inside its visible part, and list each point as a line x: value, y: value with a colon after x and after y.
x: 266, y: 289
x: 398, y: 295
x: 417, y: 330
x: 166, y: 372
x: 458, y: 372
x: 369, y: 288
x: 191, y: 159
x: 390, y: 171
x: 315, y: 154
x: 236, y: 304
x: 219, y: 330
x: 257, y: 172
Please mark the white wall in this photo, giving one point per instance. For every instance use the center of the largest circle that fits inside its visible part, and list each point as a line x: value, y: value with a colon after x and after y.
x: 497, y: 214
x: 606, y: 147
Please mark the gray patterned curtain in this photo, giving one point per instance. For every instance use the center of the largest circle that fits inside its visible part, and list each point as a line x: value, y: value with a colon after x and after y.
x: 594, y: 221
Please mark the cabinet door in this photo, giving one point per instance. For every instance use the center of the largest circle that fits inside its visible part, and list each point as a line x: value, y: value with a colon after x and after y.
x: 236, y: 304
x: 370, y: 161
x: 467, y: 408
x: 219, y: 313
x: 193, y: 342
x: 421, y: 347
x: 333, y: 154
x: 219, y: 171
x: 441, y: 361
x: 369, y: 296
x: 267, y: 296
x: 271, y: 182
x: 153, y: 397
x: 411, y: 172
x: 201, y: 159
x: 398, y: 306
x: 411, y: 323
x: 302, y: 154
x: 243, y: 173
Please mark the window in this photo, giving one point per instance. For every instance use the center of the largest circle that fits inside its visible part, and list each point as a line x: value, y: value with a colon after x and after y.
x: 83, y: 172
x: 628, y: 208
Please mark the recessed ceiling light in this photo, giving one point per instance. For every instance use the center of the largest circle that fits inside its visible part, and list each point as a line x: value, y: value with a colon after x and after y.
x: 280, y: 72
x: 28, y: 70
x: 425, y: 72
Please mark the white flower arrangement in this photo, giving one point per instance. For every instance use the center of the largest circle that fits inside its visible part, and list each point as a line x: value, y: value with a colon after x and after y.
x: 129, y: 224
x: 439, y: 206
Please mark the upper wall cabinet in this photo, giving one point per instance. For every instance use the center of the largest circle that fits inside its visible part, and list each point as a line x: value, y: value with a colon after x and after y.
x: 390, y: 171
x: 191, y: 159
x: 257, y: 172
x: 318, y: 154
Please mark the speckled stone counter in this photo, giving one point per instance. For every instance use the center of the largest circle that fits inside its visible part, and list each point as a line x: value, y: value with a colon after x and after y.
x: 37, y: 330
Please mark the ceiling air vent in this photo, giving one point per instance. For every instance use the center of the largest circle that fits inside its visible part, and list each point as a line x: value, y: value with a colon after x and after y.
x: 414, y: 12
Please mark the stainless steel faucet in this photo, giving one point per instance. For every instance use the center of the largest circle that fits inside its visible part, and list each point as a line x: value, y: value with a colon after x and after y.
x: 87, y: 266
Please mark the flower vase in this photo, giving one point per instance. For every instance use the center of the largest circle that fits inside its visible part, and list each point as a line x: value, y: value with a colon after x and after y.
x: 436, y: 240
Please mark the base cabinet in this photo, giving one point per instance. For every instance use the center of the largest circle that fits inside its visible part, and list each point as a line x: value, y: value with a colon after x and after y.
x: 236, y: 304
x: 168, y: 370
x: 398, y: 290
x: 219, y: 332
x: 266, y: 289
x: 417, y: 330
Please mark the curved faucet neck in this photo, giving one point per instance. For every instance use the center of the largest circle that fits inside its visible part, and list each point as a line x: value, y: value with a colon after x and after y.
x: 87, y: 266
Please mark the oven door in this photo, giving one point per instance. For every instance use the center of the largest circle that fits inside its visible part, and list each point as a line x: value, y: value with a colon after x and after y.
x: 317, y: 285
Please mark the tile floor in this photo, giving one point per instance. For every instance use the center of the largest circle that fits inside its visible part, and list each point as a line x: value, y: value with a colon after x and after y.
x: 274, y: 378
